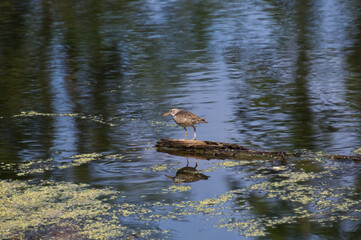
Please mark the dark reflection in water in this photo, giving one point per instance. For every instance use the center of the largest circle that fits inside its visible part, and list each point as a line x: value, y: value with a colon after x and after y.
x: 80, y: 77
x: 188, y: 174
x: 291, y: 89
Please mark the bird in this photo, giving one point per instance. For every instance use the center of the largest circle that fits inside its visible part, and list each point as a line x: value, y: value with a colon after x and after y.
x: 185, y: 119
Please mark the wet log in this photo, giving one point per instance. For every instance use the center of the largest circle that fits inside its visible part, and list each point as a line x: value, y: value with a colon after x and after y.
x: 216, y: 150
x: 219, y: 150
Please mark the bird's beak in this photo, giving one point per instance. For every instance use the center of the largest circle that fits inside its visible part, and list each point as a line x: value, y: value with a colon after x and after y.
x: 166, y: 114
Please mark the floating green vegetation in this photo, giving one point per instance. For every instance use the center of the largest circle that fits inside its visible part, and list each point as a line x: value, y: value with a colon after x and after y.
x: 177, y: 188
x: 150, y: 148
x: 38, y: 166
x: 252, y: 210
x: 248, y: 228
x: 81, y: 159
x: 211, y: 169
x: 74, y: 211
x: 114, y: 156
x: 97, y: 119
x: 268, y: 196
x: 156, y: 168
x: 229, y: 163
x: 358, y: 151
x: 43, y: 165
x: 7, y: 166
x: 162, y: 123
x: 35, y: 167
x: 160, y: 167
x: 307, y: 195
x: 158, y: 125
x: 118, y: 88
x: 233, y: 163
x: 61, y: 210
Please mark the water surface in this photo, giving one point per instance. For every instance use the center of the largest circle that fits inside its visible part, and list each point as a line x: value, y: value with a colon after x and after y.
x: 96, y: 77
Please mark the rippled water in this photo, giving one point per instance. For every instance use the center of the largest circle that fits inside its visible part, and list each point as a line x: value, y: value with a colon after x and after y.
x: 96, y: 77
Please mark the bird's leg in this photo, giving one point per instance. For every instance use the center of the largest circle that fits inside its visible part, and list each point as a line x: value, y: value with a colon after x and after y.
x: 195, y: 134
x: 187, y: 162
x: 185, y: 138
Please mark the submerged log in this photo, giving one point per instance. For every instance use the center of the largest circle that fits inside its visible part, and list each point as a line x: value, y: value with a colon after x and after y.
x: 218, y: 150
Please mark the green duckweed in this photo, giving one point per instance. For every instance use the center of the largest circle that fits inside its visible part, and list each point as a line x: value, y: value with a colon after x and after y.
x: 244, y: 210
x: 177, y: 188
x: 73, y: 115
x: 48, y: 205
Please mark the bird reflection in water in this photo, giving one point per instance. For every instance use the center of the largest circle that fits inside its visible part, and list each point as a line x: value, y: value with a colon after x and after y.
x: 188, y: 174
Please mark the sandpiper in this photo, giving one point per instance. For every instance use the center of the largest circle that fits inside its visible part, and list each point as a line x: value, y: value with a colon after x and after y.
x: 185, y: 119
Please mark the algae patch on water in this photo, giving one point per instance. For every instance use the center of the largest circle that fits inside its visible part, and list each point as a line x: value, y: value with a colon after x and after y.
x: 156, y: 168
x: 358, y: 151
x: 61, y: 210
x: 261, y: 197
x: 43, y: 165
x: 177, y: 188
x: 98, y: 119
x: 250, y: 209
x: 38, y: 166
x: 306, y: 188
x: 28, y: 209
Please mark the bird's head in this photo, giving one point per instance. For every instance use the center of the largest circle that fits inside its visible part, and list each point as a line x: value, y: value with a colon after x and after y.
x: 172, y: 112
